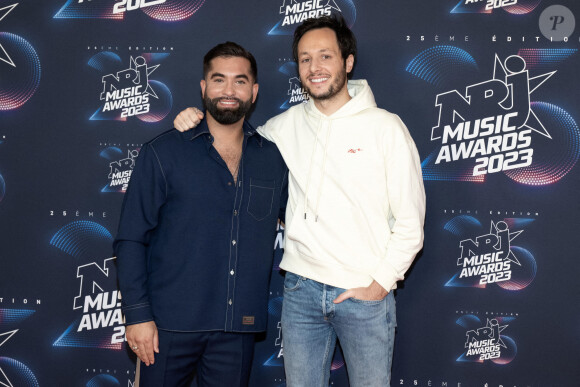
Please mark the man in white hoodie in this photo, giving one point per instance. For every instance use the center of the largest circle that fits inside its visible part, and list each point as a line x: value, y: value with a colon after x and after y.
x: 355, y: 213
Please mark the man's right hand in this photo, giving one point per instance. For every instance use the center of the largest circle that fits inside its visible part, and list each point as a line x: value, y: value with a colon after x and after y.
x: 143, y: 340
x: 188, y: 119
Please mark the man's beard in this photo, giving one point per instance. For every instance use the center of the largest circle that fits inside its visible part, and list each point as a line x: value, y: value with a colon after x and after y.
x: 227, y: 116
x: 333, y: 89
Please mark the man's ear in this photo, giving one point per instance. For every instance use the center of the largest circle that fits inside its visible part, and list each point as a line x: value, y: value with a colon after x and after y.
x: 202, y: 85
x: 255, y: 88
x: 349, y: 63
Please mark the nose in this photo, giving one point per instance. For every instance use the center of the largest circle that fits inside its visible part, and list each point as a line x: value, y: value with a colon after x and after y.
x: 229, y: 89
x: 314, y: 64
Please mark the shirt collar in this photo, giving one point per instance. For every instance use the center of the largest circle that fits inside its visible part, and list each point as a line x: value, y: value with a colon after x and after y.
x: 202, y: 129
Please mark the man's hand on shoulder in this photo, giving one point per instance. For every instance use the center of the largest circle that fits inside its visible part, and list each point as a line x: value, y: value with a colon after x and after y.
x: 143, y: 340
x: 188, y: 119
x: 373, y: 292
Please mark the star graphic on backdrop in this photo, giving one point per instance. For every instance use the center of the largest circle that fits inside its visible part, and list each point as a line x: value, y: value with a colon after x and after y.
x: 150, y: 69
x: 4, y: 337
x: 3, y: 54
x: 512, y: 235
x: 501, y: 328
x: 501, y: 73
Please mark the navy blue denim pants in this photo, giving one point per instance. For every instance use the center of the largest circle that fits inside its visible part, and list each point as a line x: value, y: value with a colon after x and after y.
x: 216, y: 359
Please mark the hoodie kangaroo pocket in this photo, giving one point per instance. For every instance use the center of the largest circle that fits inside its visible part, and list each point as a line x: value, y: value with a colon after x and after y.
x: 261, y: 198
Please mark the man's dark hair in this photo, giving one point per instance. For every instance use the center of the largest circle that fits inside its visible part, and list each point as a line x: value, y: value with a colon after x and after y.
x: 344, y: 36
x: 228, y: 50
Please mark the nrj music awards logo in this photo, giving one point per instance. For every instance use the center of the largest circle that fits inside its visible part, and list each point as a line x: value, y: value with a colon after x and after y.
x: 99, y: 299
x: 120, y: 168
x: 486, y: 341
x: 492, y: 257
x: 98, y: 304
x: 98, y: 320
x: 295, y: 94
x: 164, y: 10
x: 489, y: 257
x: 493, y: 122
x: 131, y: 92
x: 128, y: 91
x: 517, y: 7
x: 493, y: 126
x: 294, y: 12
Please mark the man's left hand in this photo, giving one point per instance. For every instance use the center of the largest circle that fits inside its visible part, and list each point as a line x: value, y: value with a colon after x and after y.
x: 373, y: 292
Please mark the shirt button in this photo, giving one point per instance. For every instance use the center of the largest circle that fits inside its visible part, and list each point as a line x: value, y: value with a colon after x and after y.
x: 232, y: 272
x: 229, y: 183
x: 235, y: 212
x: 230, y: 302
x: 233, y: 242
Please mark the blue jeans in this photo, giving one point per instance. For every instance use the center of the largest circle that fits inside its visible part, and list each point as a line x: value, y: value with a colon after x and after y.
x: 311, y: 323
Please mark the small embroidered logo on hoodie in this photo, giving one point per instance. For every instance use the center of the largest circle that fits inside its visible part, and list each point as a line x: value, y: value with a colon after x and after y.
x: 354, y: 150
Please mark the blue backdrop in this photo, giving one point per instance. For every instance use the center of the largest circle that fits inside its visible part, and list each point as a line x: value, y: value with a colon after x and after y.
x: 489, y: 90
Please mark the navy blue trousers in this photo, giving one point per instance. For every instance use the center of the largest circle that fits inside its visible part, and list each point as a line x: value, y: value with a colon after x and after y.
x: 215, y: 359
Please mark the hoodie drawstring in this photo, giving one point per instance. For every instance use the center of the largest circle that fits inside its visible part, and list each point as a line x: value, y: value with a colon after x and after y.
x: 323, y: 172
x: 310, y: 166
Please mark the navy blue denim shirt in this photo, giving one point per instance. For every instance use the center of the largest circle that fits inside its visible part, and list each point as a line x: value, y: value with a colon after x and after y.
x: 194, y: 249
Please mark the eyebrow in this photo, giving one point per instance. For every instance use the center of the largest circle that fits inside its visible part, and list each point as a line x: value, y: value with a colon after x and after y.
x: 220, y: 75
x: 321, y: 50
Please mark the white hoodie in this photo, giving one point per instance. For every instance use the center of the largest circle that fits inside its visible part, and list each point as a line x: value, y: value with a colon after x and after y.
x: 356, y: 199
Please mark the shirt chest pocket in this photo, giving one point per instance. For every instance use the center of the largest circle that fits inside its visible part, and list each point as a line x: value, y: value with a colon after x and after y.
x: 261, y: 198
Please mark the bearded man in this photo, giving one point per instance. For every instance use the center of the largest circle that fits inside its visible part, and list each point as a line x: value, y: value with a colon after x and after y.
x: 195, y: 241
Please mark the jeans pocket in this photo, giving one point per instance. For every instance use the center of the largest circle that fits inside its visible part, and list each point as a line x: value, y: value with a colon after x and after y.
x: 292, y: 282
x: 261, y: 198
x: 368, y: 302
